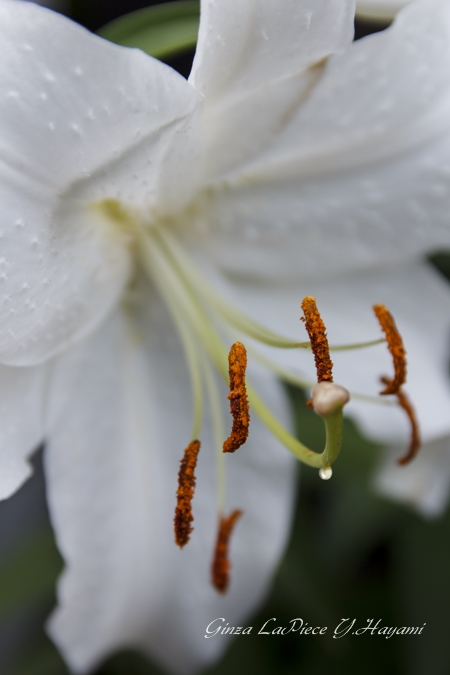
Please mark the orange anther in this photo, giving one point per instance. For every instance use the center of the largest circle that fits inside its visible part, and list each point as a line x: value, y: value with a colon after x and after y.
x: 237, y: 363
x: 396, y: 348
x: 186, y: 487
x: 394, y: 386
x: 318, y: 339
x: 220, y: 569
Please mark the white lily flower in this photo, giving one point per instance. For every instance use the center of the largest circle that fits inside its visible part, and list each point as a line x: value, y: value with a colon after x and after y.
x: 59, y: 5
x: 293, y: 162
x: 379, y: 10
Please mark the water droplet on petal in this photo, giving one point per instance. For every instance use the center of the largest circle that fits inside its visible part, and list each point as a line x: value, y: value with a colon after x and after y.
x: 326, y: 472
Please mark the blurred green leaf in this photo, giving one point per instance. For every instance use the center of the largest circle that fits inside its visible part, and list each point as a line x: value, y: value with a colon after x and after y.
x: 161, y: 31
x: 441, y: 260
x: 28, y: 575
x: 422, y: 582
x: 129, y: 663
x: 41, y: 659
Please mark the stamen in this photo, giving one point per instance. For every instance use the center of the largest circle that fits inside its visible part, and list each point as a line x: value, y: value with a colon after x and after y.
x: 318, y: 338
x: 396, y: 348
x: 398, y: 352
x: 186, y: 487
x: 415, y: 443
x: 237, y: 363
x: 182, y: 301
x: 220, y: 569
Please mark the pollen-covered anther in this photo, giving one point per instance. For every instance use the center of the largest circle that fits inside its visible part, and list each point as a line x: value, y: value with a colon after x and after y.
x: 185, y: 493
x: 318, y: 339
x: 237, y: 364
x: 415, y: 442
x: 220, y: 569
x: 327, y: 398
x: 396, y: 348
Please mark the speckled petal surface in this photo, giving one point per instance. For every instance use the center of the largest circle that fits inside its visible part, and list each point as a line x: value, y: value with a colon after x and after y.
x: 80, y: 119
x: 255, y: 63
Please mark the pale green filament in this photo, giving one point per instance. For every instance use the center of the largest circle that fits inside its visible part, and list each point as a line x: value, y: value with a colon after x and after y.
x: 232, y: 315
x: 190, y: 348
x: 218, y: 432
x: 293, y: 378
x: 229, y: 313
x: 356, y: 345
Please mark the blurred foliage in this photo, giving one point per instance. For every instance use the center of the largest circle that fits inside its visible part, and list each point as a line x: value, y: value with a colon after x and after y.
x: 28, y: 574
x: 441, y: 261
x: 161, y: 31
x: 351, y: 554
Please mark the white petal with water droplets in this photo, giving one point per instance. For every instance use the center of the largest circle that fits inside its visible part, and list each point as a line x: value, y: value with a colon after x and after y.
x: 80, y: 117
x: 243, y: 45
x: 255, y: 63
x: 111, y: 467
x: 360, y: 176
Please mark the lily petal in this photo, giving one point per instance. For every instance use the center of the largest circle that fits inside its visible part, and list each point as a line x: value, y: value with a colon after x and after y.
x: 423, y: 484
x: 360, y: 175
x: 255, y: 63
x: 111, y: 466
x: 75, y: 110
x: 22, y: 397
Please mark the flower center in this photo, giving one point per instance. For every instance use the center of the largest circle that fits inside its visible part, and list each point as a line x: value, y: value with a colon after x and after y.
x: 206, y: 321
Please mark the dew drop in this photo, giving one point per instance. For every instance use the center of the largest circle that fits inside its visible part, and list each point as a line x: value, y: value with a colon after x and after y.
x: 326, y: 472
